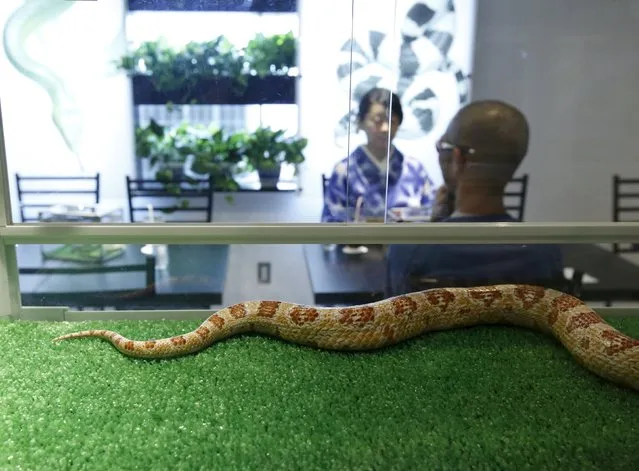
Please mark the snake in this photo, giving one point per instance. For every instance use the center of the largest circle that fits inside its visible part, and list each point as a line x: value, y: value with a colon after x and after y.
x: 593, y: 343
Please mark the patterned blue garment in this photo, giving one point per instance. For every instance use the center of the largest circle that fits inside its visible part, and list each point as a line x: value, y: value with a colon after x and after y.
x: 408, y: 186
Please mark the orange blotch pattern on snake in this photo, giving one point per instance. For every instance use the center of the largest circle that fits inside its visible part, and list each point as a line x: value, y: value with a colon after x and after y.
x: 356, y: 315
x: 618, y: 342
x: 268, y: 308
x: 128, y: 345
x: 487, y: 296
x: 403, y: 306
x: 179, y: 340
x: 238, y: 311
x: 529, y: 295
x: 440, y: 298
x: 583, y: 320
x: 202, y: 331
x: 304, y: 315
x: 565, y: 302
x: 216, y: 320
x: 150, y: 344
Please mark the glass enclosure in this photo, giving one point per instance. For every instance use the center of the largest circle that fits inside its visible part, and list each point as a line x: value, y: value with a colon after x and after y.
x: 139, y: 114
x: 347, y: 175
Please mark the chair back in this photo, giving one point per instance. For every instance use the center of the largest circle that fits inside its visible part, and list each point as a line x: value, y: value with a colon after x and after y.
x: 515, y: 196
x: 36, y: 193
x: 179, y: 200
x: 625, y: 207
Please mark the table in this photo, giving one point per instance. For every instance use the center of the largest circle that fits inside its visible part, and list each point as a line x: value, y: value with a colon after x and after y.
x: 194, y: 279
x: 337, y: 278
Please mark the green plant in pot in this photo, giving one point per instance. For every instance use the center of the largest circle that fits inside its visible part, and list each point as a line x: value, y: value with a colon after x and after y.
x: 266, y: 150
x: 191, y: 153
x: 158, y: 145
x: 212, y: 152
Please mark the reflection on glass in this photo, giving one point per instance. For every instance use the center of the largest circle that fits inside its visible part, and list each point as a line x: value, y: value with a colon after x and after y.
x: 253, y: 100
x: 122, y: 276
x: 377, y: 176
x: 150, y: 276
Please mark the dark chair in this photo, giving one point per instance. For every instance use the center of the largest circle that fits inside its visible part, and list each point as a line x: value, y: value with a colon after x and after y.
x: 625, y: 207
x: 515, y: 198
x: 36, y: 193
x: 171, y: 198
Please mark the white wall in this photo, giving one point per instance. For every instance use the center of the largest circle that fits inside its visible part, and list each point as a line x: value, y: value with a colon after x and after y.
x: 78, y: 46
x: 572, y: 67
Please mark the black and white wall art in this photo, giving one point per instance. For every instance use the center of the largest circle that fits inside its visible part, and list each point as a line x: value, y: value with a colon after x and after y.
x: 420, y: 49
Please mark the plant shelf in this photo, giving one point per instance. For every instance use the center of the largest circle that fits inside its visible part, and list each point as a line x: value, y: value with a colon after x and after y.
x: 219, y: 91
x: 262, y: 6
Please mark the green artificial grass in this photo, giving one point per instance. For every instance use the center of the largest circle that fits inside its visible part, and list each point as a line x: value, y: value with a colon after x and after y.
x: 489, y: 397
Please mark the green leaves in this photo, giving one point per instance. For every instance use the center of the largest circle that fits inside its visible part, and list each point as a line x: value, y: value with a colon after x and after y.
x: 269, y: 54
x: 268, y: 149
x: 171, y: 69
x: 215, y: 152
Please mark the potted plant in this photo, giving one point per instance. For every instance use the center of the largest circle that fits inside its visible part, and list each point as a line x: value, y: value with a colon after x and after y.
x: 195, y: 152
x: 191, y: 153
x: 212, y: 152
x: 266, y: 150
x: 158, y: 146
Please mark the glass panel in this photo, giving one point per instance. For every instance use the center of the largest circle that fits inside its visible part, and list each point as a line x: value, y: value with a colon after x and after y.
x: 182, y: 276
x: 421, y: 52
x: 254, y: 398
x: 84, y: 84
x: 162, y: 97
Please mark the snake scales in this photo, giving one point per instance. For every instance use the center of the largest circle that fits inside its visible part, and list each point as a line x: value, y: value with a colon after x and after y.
x: 592, y: 342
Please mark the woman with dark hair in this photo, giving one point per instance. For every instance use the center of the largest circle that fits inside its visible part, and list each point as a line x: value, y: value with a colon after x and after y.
x: 357, y: 187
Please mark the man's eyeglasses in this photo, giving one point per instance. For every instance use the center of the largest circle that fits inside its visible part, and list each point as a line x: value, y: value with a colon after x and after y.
x: 443, y: 146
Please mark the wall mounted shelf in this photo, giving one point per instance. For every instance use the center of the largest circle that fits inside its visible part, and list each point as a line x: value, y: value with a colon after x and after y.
x: 257, y: 6
x: 219, y: 91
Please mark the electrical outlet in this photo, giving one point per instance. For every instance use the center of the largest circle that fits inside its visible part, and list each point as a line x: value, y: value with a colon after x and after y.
x: 264, y: 272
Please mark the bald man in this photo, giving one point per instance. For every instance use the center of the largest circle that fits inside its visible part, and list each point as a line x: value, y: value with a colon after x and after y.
x: 479, y: 154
